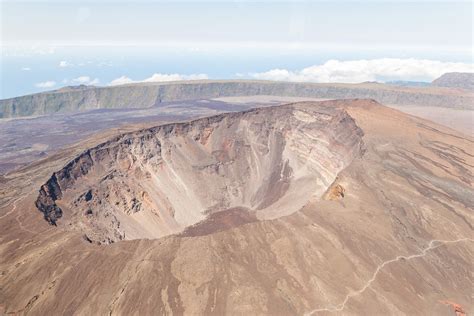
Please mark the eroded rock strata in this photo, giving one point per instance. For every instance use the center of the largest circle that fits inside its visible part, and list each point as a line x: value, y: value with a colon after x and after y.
x: 265, y: 163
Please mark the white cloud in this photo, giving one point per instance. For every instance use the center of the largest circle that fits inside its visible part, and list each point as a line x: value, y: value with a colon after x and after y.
x: 175, y: 77
x: 384, y: 69
x: 25, y: 68
x: 120, y: 80
x: 85, y: 80
x: 64, y: 63
x: 46, y: 84
x: 158, y: 77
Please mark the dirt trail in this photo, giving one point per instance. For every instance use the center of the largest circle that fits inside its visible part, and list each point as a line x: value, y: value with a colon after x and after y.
x: 433, y: 244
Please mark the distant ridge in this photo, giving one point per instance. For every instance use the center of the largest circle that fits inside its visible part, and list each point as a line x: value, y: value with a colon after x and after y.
x: 462, y: 80
x: 404, y: 83
x: 143, y: 95
x: 74, y: 88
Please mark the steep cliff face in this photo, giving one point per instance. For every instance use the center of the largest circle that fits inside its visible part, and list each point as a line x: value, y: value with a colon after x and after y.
x: 149, y: 94
x: 259, y: 164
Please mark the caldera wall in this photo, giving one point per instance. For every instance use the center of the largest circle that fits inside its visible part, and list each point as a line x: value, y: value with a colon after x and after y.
x: 145, y: 95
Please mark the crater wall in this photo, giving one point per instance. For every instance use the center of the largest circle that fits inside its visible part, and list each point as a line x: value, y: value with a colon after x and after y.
x: 265, y: 162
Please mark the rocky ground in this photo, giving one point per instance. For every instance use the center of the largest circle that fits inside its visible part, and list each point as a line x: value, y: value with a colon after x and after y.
x: 392, y: 234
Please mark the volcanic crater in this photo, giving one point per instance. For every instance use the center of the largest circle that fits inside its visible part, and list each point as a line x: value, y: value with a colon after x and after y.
x: 202, y: 176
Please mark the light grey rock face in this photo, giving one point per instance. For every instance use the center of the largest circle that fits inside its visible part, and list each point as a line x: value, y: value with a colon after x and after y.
x: 147, y: 95
x: 266, y: 163
x: 462, y: 80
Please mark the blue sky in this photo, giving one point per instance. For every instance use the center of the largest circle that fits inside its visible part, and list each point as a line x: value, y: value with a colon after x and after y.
x: 96, y: 42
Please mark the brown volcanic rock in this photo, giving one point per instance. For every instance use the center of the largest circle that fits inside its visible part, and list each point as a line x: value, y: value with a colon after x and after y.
x: 335, y: 192
x: 398, y: 243
x: 457, y: 309
x: 161, y: 180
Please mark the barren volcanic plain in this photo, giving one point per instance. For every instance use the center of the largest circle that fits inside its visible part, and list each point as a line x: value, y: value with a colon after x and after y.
x: 308, y: 208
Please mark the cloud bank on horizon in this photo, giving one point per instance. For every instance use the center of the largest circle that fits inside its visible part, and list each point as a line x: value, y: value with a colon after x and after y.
x: 351, y: 71
x: 159, y: 77
x: 85, y: 80
x: 46, y: 84
x: 332, y: 71
x: 81, y: 80
x: 356, y: 71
